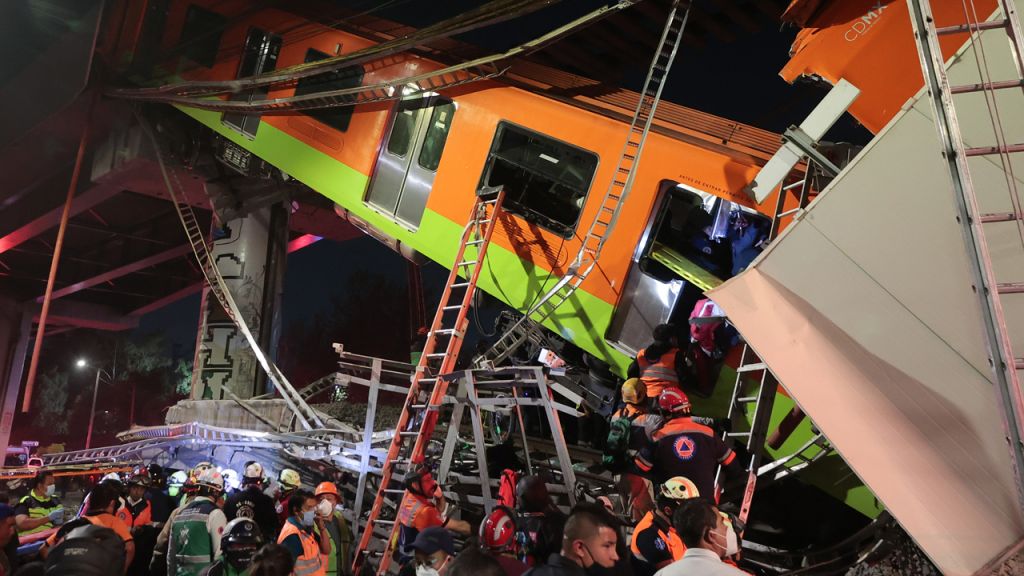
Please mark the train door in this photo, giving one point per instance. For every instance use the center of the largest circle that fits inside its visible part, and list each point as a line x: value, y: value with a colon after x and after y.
x: 693, y: 242
x: 408, y: 161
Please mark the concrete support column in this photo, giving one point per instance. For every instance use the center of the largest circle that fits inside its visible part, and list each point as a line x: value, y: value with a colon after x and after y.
x: 15, y: 334
x: 251, y: 257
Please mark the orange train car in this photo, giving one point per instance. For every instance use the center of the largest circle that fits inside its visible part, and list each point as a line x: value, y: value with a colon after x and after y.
x: 407, y: 170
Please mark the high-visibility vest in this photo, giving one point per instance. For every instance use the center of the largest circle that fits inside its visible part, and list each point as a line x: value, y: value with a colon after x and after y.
x: 668, y: 534
x: 658, y: 375
x: 310, y: 563
x: 39, y: 509
x: 338, y: 557
x: 190, y: 549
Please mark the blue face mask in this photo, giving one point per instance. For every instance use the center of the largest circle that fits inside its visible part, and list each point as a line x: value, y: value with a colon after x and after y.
x: 307, y: 518
x: 51, y: 490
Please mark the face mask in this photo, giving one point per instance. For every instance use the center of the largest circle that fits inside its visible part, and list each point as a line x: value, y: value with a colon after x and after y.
x: 307, y: 518
x: 731, y: 543
x: 423, y: 570
x: 596, y: 569
x: 51, y: 490
x: 324, y: 508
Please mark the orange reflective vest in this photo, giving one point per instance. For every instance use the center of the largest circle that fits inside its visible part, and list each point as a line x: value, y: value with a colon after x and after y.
x: 658, y: 375
x: 310, y: 563
x: 141, y: 518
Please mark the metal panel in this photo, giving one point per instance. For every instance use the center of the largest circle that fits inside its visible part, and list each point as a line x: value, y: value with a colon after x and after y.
x: 645, y: 303
x: 870, y: 292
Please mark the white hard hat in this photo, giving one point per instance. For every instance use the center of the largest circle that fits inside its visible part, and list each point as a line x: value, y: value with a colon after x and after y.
x: 210, y: 478
x: 254, y: 471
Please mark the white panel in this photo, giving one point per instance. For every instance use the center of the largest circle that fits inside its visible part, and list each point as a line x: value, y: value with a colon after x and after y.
x: 864, y: 309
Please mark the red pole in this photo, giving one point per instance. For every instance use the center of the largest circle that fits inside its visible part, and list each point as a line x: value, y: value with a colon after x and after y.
x: 40, y: 332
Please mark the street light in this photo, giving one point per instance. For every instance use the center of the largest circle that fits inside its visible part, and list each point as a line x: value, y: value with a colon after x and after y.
x: 81, y: 363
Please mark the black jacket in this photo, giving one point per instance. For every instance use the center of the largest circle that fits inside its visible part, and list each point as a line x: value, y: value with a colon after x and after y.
x: 557, y: 565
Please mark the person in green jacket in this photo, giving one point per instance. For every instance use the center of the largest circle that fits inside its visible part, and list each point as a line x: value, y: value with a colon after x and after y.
x: 339, y: 561
x: 195, y: 533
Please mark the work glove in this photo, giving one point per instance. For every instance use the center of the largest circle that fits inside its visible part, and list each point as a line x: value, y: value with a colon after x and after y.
x: 57, y: 516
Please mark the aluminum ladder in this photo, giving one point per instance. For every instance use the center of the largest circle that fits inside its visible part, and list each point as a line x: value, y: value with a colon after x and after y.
x: 614, y: 197
x: 975, y: 225
x: 427, y: 390
x: 511, y: 388
x: 762, y: 398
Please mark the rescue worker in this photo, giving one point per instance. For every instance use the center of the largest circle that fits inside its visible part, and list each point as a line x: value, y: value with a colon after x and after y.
x: 683, y: 447
x: 175, y: 487
x: 588, y: 545
x: 140, y: 512
x: 432, y: 549
x: 497, y: 539
x: 655, y: 541
x: 661, y: 365
x: 176, y: 490
x: 241, y: 539
x: 195, y: 532
x: 627, y: 436
x: 421, y: 509
x: 38, y: 511
x: 103, y: 505
x: 705, y: 320
x: 298, y: 536
x: 251, y: 502
x: 87, y: 551
x: 288, y: 482
x: 339, y: 559
x: 160, y: 501
x: 539, y: 524
x: 708, y: 539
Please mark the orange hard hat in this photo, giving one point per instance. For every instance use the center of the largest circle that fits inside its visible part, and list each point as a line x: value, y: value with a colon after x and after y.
x: 326, y: 488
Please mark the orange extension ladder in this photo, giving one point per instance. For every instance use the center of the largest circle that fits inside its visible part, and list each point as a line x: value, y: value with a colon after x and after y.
x: 994, y: 282
x: 427, y: 390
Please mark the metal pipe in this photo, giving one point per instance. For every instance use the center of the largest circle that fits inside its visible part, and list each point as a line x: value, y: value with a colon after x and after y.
x: 72, y: 186
x: 92, y: 411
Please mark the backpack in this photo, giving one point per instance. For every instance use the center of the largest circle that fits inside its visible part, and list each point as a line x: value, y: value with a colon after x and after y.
x: 617, y: 446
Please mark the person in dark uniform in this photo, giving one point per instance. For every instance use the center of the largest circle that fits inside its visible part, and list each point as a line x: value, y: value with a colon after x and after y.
x: 683, y: 447
x: 251, y: 502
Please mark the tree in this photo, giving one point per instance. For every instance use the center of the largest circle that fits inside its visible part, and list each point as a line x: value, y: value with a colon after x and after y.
x: 52, y: 401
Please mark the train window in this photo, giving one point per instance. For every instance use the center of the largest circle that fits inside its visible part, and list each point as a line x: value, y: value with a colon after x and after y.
x: 258, y: 57
x: 402, y: 132
x: 437, y: 135
x: 546, y: 181
x: 349, y: 77
x: 200, y: 35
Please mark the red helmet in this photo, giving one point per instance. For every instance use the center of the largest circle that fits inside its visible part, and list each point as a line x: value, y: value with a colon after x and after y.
x: 498, y: 530
x: 674, y: 401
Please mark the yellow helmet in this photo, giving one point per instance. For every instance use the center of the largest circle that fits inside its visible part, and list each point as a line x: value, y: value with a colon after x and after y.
x: 679, y: 488
x: 634, y: 391
x: 289, y: 478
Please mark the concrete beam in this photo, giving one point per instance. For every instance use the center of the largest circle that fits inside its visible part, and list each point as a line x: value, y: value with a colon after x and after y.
x: 121, y: 271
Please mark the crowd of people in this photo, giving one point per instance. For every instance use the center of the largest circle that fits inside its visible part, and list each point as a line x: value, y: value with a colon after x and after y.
x: 185, y: 524
x: 665, y: 461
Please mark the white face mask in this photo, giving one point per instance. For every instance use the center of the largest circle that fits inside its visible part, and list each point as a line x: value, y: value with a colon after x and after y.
x: 732, y: 545
x: 324, y: 508
x: 423, y: 570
